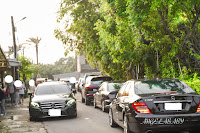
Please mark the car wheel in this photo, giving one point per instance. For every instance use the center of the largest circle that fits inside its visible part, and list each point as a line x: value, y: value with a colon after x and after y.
x: 95, y: 104
x: 87, y: 102
x: 111, y: 120
x: 126, y: 127
x: 31, y: 118
x: 103, y: 106
x: 74, y: 115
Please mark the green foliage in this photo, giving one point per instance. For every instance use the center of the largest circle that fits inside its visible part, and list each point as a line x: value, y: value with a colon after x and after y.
x: 194, y: 83
x: 63, y: 65
x: 126, y: 37
x: 26, y: 70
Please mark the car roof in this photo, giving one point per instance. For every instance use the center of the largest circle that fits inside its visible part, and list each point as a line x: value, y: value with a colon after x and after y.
x: 157, y: 79
x: 52, y: 83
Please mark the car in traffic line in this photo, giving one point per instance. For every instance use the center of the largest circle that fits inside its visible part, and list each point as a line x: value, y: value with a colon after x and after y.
x: 155, y: 105
x: 52, y: 99
x: 106, y: 93
x: 91, y: 86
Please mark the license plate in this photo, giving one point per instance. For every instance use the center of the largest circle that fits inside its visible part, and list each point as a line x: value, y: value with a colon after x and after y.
x: 54, y: 112
x: 94, y: 89
x: 173, y: 106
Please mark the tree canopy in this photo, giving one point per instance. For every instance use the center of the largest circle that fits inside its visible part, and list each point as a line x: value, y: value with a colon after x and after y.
x: 133, y: 38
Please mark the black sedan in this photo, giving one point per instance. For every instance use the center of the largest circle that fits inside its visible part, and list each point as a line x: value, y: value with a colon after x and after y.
x: 52, y: 99
x: 106, y: 93
x: 155, y: 105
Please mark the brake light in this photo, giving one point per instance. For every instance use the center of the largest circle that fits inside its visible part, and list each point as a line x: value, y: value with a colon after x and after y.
x: 89, y: 94
x: 141, y: 107
x: 198, y: 109
x: 90, y: 87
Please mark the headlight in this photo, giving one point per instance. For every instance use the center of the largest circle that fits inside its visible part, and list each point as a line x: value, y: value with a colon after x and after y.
x: 71, y: 102
x: 35, y: 104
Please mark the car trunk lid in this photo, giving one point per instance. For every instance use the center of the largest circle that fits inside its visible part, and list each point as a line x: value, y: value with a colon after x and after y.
x: 170, y: 104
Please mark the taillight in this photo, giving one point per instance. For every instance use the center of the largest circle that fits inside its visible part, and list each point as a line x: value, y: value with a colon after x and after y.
x: 108, y: 97
x: 141, y: 107
x: 198, y: 109
x: 90, y: 87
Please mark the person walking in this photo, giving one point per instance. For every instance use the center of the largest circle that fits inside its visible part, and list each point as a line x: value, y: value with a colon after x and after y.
x: 32, y: 90
x: 21, y: 94
x: 17, y: 96
x: 2, y: 99
x: 11, y: 90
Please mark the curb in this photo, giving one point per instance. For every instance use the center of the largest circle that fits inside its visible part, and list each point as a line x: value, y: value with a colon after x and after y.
x: 17, y: 120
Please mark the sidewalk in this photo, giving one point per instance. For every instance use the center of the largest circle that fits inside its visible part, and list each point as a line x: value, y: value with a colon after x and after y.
x: 17, y: 120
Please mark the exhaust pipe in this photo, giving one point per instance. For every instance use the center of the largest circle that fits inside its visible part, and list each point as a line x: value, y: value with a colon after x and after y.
x: 149, y: 131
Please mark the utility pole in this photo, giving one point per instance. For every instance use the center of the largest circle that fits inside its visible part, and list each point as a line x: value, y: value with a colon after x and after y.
x: 14, y: 40
x: 15, y: 75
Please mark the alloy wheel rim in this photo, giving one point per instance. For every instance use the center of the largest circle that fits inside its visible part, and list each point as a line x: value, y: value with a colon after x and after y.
x: 110, y: 116
x: 125, y: 125
x: 103, y: 106
x: 94, y: 103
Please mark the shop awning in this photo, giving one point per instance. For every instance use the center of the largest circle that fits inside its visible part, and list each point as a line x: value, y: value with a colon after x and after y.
x: 3, y: 61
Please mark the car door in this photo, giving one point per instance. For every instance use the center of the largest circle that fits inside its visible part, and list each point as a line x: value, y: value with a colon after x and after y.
x: 124, y: 100
x: 117, y: 103
x: 98, y: 95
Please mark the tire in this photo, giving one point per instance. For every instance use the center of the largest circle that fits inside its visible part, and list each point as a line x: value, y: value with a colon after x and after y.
x: 103, y: 106
x: 87, y: 102
x: 74, y: 116
x: 31, y: 118
x: 112, y: 123
x: 94, y: 103
x: 126, y: 126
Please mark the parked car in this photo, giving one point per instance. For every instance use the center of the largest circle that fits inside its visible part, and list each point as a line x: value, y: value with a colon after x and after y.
x: 155, y: 105
x: 106, y: 93
x: 80, y: 84
x: 52, y: 99
x: 91, y: 86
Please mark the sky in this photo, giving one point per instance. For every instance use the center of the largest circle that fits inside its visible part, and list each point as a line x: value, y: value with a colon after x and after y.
x: 41, y: 16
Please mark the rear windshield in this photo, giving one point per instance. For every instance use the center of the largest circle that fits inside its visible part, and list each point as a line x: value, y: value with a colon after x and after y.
x: 162, y: 86
x: 114, y: 86
x: 53, y: 89
x: 100, y: 80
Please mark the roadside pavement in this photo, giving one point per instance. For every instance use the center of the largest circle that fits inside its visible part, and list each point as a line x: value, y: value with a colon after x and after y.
x: 17, y: 120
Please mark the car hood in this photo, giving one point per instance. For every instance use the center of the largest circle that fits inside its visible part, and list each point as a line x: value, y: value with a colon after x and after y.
x: 50, y: 98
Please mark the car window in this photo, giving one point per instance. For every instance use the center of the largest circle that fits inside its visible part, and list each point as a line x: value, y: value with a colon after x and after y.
x: 114, y: 86
x: 100, y: 80
x: 126, y: 91
x: 121, y: 91
x: 52, y: 89
x: 102, y: 87
x: 161, y: 86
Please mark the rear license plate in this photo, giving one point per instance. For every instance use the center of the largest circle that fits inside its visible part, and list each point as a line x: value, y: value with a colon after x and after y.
x: 54, y: 112
x: 94, y: 89
x: 173, y: 106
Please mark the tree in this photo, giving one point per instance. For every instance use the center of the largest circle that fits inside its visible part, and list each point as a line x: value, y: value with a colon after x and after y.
x: 63, y: 65
x: 133, y: 38
x: 79, y: 35
x: 26, y: 70
x: 36, y: 41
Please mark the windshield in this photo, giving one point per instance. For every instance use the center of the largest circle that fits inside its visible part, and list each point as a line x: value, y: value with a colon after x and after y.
x: 162, y: 86
x: 114, y: 86
x: 52, y: 89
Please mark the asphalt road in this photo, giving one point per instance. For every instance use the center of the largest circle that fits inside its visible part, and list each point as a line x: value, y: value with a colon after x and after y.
x: 89, y: 120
